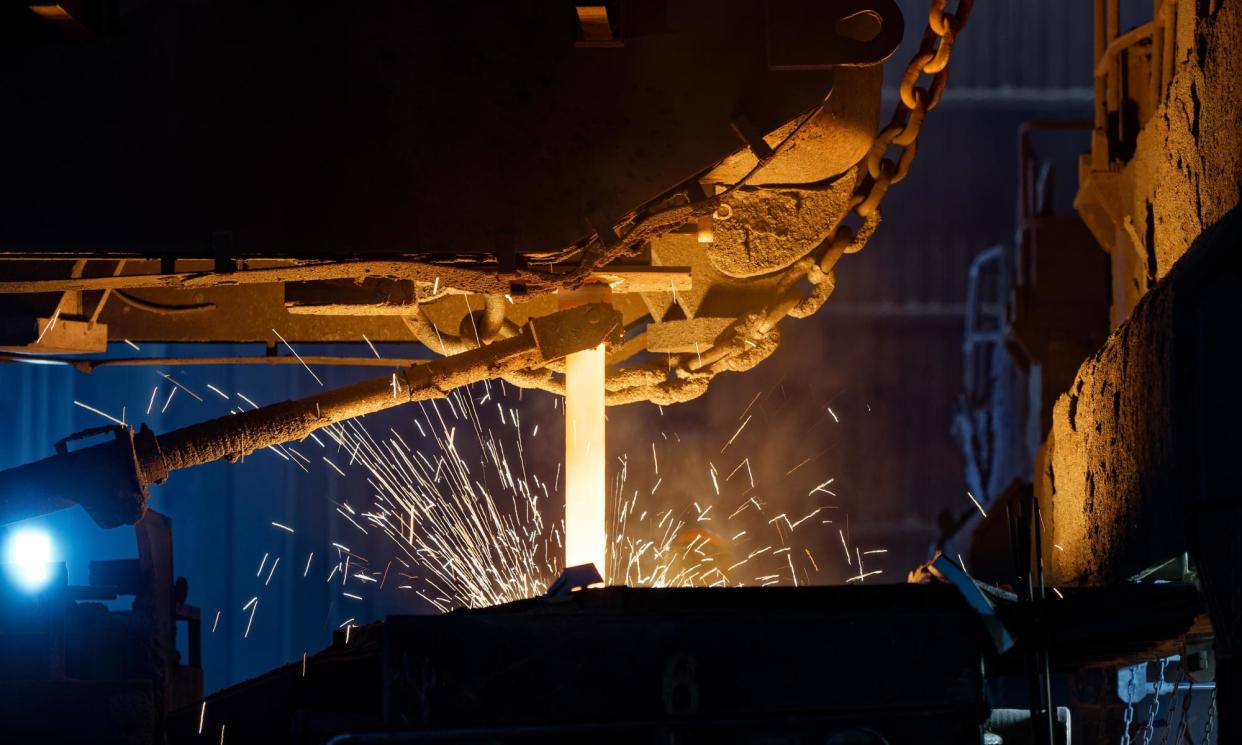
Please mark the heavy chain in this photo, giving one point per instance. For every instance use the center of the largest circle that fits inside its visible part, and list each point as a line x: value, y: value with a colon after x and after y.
x: 1168, y: 720
x: 740, y: 345
x: 1154, y: 709
x: 1184, y: 723
x: 1129, y: 715
x: 753, y: 337
x: 1211, y: 718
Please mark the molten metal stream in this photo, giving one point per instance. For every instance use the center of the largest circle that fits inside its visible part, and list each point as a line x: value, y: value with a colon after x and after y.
x: 585, y: 534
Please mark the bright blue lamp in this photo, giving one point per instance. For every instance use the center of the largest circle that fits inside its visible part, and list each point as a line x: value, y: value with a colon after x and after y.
x: 28, y: 558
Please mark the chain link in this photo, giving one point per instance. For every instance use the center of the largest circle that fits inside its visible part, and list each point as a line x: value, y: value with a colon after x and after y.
x: 1154, y: 709
x: 1184, y: 723
x: 1211, y: 718
x: 1168, y: 720
x: 1129, y: 715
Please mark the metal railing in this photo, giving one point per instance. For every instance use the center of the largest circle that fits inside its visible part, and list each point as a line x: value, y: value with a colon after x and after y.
x: 1110, y: 46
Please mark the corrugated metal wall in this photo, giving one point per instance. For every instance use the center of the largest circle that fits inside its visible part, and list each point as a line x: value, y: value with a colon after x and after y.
x: 1020, y: 50
x: 1016, y: 46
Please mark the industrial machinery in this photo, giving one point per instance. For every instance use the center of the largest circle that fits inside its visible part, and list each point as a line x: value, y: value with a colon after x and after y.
x: 699, y: 161
x: 508, y: 186
x: 713, y: 200
x: 117, y: 669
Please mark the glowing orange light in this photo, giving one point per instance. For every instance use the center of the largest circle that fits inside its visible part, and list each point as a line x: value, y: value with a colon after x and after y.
x: 51, y: 12
x: 585, y: 521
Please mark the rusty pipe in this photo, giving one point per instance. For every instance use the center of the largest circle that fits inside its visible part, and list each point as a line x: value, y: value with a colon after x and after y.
x: 238, y: 435
x: 110, y: 480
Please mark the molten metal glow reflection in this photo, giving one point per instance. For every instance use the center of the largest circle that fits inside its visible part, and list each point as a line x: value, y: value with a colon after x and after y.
x: 585, y: 482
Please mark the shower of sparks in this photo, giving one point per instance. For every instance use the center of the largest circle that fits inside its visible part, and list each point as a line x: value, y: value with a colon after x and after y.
x: 51, y: 323
x: 275, y: 564
x: 735, y: 434
x: 470, y: 524
x: 972, y: 498
x: 478, y: 545
x: 100, y: 413
x: 135, y: 346
x: 821, y: 487
x: 254, y: 606
x: 295, y: 354
x: 170, y: 379
x: 168, y: 401
x: 467, y: 518
x: 744, y: 411
x: 474, y: 325
x: 795, y: 468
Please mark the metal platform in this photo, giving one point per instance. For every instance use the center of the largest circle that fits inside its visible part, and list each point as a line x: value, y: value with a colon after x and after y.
x: 739, y: 665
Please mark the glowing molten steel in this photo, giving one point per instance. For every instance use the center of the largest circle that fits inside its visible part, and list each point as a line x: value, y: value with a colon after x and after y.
x: 585, y: 534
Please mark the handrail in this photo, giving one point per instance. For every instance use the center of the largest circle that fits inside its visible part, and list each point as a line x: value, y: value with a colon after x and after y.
x: 1109, y: 43
x: 1126, y: 40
